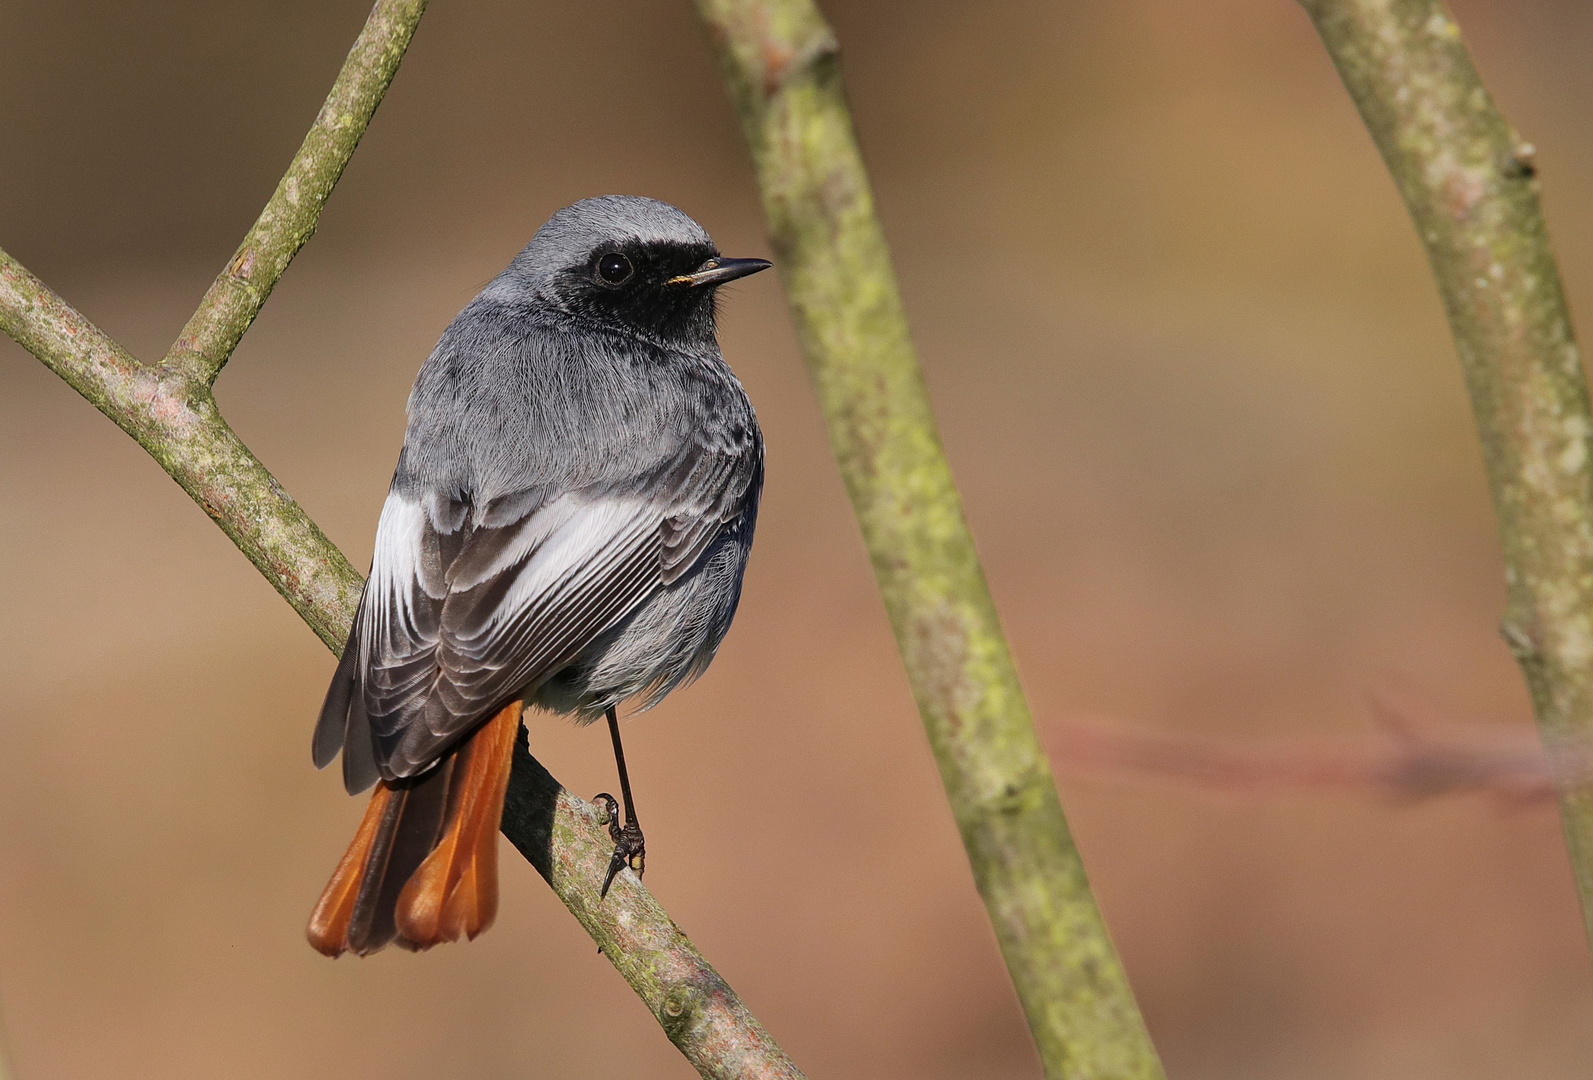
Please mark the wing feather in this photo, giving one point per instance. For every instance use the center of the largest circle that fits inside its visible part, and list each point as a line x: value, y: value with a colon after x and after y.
x: 464, y: 609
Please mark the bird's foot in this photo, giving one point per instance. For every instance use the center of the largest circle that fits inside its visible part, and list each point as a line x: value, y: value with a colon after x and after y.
x: 630, y: 848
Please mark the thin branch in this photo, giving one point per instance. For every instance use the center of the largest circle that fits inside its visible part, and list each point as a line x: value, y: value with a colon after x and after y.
x: 780, y: 60
x: 175, y: 418
x: 1470, y: 184
x: 1411, y: 757
x: 170, y: 411
x: 289, y: 218
x: 567, y: 840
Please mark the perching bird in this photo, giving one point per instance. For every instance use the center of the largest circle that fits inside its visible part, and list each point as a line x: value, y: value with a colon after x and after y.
x: 567, y: 527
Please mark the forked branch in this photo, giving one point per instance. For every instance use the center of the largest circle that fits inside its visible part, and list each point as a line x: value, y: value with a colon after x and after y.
x: 169, y: 409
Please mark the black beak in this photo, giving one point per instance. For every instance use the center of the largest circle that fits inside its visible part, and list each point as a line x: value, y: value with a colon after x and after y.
x: 718, y: 270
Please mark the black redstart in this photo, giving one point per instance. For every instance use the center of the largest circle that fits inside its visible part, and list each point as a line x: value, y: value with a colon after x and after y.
x: 567, y: 527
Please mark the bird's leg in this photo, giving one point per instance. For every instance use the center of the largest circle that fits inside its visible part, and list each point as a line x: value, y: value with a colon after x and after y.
x: 630, y: 849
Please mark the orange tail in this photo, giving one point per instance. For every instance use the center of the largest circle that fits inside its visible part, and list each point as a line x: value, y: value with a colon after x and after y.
x: 423, y: 867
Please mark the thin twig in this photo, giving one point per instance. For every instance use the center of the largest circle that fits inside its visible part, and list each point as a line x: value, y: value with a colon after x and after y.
x: 289, y: 218
x: 780, y: 60
x: 1470, y: 183
x: 1412, y: 756
x: 169, y: 409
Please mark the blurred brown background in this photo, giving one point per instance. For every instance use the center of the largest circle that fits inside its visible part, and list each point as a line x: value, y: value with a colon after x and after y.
x: 1198, y: 393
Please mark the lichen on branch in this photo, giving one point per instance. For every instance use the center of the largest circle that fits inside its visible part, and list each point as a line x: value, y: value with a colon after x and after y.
x: 1471, y: 185
x: 781, y: 63
x: 290, y: 216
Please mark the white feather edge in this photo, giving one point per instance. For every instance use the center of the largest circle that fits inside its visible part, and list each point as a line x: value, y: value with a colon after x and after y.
x: 574, y: 540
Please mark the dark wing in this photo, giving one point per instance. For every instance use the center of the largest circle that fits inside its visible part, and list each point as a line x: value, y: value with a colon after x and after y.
x: 455, y: 621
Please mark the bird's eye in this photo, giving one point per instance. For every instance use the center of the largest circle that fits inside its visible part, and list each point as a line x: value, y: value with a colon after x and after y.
x: 614, y: 268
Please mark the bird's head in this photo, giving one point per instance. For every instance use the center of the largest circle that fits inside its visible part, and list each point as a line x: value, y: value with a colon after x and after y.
x: 628, y: 262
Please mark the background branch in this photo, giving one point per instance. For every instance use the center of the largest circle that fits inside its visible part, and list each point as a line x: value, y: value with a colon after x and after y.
x: 170, y: 410
x: 1470, y: 184
x: 1413, y: 754
x: 780, y: 60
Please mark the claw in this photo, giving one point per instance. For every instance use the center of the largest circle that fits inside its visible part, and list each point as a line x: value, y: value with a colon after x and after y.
x: 630, y: 847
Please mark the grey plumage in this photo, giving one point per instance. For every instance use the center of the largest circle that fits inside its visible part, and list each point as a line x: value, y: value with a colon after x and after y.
x: 574, y: 502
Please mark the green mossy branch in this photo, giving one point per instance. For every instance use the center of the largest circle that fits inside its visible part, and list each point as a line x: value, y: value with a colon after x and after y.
x: 1470, y: 184
x: 289, y: 218
x: 566, y: 839
x: 168, y: 408
x: 780, y: 60
x: 174, y: 417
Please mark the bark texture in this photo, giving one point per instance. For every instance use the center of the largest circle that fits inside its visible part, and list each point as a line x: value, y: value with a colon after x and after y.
x: 173, y: 415
x: 567, y: 840
x: 781, y: 62
x: 1471, y: 185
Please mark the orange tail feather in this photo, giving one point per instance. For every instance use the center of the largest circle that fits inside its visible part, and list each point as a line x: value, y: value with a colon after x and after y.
x: 423, y: 866
x: 329, y: 922
x: 455, y: 891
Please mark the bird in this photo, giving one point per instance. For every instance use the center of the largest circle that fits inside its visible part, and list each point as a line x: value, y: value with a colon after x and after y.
x: 567, y: 527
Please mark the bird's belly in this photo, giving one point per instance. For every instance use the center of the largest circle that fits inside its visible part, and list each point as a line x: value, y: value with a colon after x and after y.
x: 669, y: 639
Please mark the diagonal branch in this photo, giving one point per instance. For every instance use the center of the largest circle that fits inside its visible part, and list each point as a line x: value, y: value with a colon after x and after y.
x: 170, y: 411
x: 780, y: 60
x: 175, y: 418
x: 565, y: 838
x: 289, y: 218
x: 1471, y: 186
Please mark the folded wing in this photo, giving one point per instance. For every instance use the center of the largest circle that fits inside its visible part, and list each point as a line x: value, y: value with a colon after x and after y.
x: 463, y: 610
